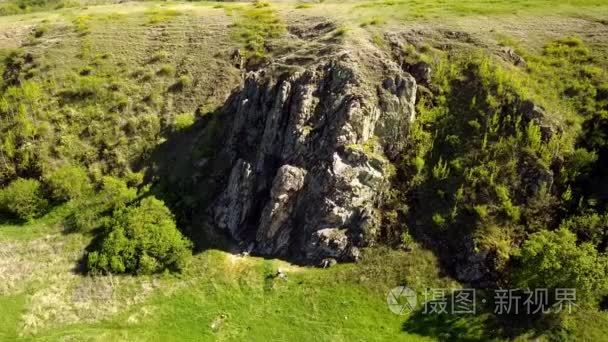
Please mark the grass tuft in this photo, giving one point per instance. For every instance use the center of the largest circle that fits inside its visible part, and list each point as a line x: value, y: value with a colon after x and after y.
x: 256, y: 26
x: 156, y: 15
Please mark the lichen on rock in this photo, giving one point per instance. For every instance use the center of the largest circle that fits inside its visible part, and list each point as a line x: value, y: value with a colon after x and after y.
x: 294, y: 183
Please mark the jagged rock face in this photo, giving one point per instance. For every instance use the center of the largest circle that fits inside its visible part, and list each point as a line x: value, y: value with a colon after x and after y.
x: 276, y: 220
x: 301, y: 178
x: 473, y: 265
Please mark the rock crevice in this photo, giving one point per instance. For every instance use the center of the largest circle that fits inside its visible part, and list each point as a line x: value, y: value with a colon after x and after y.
x: 306, y: 158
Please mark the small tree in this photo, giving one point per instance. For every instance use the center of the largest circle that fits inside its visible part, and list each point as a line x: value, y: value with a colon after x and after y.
x: 141, y: 239
x: 88, y: 211
x: 69, y: 182
x: 552, y: 259
x: 115, y: 193
x: 23, y: 198
x: 592, y: 228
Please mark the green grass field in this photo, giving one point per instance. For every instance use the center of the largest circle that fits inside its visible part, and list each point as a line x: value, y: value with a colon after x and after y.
x: 225, y: 297
x: 220, y: 296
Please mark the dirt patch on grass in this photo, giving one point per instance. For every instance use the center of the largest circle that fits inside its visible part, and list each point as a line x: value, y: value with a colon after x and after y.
x: 43, y: 268
x: 13, y: 36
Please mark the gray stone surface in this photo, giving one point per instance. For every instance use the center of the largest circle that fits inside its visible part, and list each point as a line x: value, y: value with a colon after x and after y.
x: 308, y: 158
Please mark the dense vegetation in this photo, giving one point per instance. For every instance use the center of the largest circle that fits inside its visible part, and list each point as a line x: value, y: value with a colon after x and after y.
x: 141, y: 239
x: 76, y: 135
x: 23, y: 198
x: 491, y: 167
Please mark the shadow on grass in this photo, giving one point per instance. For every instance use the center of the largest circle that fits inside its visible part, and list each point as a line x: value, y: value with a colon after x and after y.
x: 481, y: 325
x: 6, y: 220
x: 184, y: 173
x: 446, y: 327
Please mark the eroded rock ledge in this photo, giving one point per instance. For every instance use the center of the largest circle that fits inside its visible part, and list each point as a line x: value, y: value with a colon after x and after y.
x: 307, y: 158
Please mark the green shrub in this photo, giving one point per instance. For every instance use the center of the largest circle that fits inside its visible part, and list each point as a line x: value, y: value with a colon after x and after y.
x: 115, y: 193
x: 87, y: 70
x: 88, y: 212
x: 552, y: 259
x: 418, y: 164
x: 141, y: 239
x: 183, y: 121
x: 589, y: 228
x: 579, y: 162
x: 9, y: 9
x: 372, y: 22
x: 439, y: 220
x: 23, y: 198
x: 481, y: 211
x: 441, y: 170
x: 85, y: 216
x: 303, y: 6
x: 533, y: 135
x: 261, y: 4
x: 511, y: 210
x: 69, y: 182
x: 81, y: 24
x: 407, y: 241
x: 166, y: 70
x: 341, y: 31
x: 40, y: 31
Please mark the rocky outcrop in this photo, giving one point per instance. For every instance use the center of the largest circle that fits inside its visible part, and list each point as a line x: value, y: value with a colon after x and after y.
x: 535, y: 113
x: 472, y: 264
x: 276, y: 221
x: 422, y: 72
x: 306, y: 158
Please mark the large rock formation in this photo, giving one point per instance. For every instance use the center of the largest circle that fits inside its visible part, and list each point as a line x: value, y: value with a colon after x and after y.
x: 307, y: 155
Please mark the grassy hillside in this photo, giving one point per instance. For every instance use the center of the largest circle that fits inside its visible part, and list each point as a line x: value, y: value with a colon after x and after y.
x: 100, y: 89
x: 220, y: 295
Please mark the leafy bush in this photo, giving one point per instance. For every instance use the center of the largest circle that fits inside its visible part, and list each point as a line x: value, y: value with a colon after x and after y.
x: 69, y: 182
x: 183, y: 121
x: 552, y: 259
x: 81, y: 24
x: 481, y: 211
x: 141, y: 239
x: 9, y: 9
x: 303, y: 6
x: 441, y: 170
x: 341, y: 32
x: 407, y: 241
x: 115, y: 193
x: 439, y: 220
x: 166, y: 70
x: 88, y: 212
x: 40, y: 31
x: 23, y: 198
x: 533, y: 135
x: 589, y: 228
x: 26, y: 6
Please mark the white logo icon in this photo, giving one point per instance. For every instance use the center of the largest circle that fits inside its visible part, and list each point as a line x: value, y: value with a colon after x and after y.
x: 401, y: 300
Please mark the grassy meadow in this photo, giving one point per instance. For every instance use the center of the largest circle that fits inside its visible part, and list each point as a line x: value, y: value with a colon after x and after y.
x: 220, y: 296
